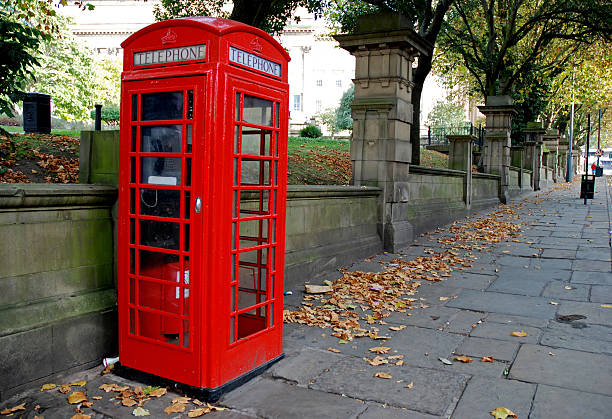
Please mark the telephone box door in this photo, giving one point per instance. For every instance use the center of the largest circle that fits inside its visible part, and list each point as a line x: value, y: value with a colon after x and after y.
x: 162, y: 189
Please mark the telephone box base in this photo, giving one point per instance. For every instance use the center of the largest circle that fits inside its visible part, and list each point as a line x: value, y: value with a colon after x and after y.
x: 204, y: 394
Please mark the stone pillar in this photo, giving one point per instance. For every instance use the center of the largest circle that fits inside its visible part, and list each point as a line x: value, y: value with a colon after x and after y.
x: 460, y: 158
x: 551, y: 141
x: 534, y: 133
x: 517, y: 159
x: 384, y: 46
x: 499, y: 111
x: 576, y: 162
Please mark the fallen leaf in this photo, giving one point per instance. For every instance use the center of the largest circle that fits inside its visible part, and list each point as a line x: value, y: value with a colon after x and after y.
x: 444, y: 298
x: 77, y: 397
x: 318, y: 289
x: 409, y: 386
x: 97, y: 398
x: 487, y: 359
x: 79, y: 383
x: 568, y: 287
x: 48, y: 387
x: 175, y: 408
x: 382, y: 375
x: 198, y: 403
x: 380, y: 349
x: 107, y: 369
x: 194, y: 413
x: 379, y: 360
x: 503, y: 413
x: 65, y: 389
x: 127, y: 402
x: 113, y: 387
x: 139, y: 411
x: 445, y: 361
x: 17, y: 408
x: 181, y: 399
x: 399, y: 363
x: 158, y: 392
x: 520, y: 334
x: 333, y: 350
x: 397, y: 328
x: 81, y: 416
x: 551, y: 354
x: 463, y: 358
x: 606, y: 305
x: 553, y: 303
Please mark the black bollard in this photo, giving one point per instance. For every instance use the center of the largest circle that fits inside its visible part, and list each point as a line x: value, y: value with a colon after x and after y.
x: 98, y: 126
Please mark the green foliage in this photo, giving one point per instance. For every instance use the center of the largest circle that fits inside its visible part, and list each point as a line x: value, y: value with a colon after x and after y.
x: 343, y: 113
x: 310, y: 131
x: 445, y: 114
x: 110, y: 113
x: 328, y: 119
x: 18, y: 45
x: 107, y: 80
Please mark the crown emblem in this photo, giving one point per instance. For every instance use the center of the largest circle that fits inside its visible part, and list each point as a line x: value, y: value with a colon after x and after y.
x: 256, y: 45
x: 169, y: 37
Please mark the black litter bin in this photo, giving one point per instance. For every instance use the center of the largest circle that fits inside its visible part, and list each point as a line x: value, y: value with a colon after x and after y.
x: 599, y: 171
x: 37, y: 113
x: 587, y: 187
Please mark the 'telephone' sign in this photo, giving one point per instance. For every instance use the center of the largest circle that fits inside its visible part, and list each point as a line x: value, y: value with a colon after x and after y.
x: 253, y: 61
x: 170, y: 55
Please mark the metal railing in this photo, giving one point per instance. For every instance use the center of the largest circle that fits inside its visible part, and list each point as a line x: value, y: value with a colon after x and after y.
x: 438, y: 135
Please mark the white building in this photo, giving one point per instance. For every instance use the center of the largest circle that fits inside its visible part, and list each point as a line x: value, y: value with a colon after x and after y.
x: 319, y: 71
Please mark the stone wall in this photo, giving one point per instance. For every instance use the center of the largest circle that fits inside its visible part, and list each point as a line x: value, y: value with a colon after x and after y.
x: 57, y: 294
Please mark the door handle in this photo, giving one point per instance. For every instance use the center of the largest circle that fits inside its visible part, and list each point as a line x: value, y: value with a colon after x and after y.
x: 198, y: 205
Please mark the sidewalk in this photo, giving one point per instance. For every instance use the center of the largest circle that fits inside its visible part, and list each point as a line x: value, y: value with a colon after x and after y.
x: 551, y: 285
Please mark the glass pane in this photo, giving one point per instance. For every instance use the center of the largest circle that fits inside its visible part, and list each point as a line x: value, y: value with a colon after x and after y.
x: 134, y: 138
x: 237, y: 140
x: 159, y: 234
x: 255, y: 172
x: 160, y: 170
x: 237, y: 107
x: 232, y: 328
x: 255, y: 141
x: 132, y: 200
x: 187, y: 241
x: 185, y: 334
x: 132, y: 231
x: 132, y: 169
x: 188, y: 172
x: 277, y: 114
x: 187, y: 204
x: 161, y: 138
x: 189, y: 138
x: 132, y: 260
x: 158, y: 296
x: 257, y: 111
x: 256, y: 202
x: 271, y: 315
x: 161, y: 106
x: 132, y: 291
x: 253, y: 233
x: 161, y: 328
x: 159, y: 265
x: 190, y: 104
x: 132, y: 321
x: 249, y: 324
x: 134, y: 107
x: 160, y: 203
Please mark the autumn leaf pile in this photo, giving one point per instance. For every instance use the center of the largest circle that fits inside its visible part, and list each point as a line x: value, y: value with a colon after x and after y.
x: 377, y: 295
x: 319, y: 166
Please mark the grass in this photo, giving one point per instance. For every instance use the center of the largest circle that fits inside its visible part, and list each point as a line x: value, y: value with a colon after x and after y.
x: 68, y: 132
x: 435, y: 159
x: 318, y: 161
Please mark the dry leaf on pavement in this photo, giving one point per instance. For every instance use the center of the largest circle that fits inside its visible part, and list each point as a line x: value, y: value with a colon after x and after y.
x: 195, y: 413
x: 81, y: 416
x: 318, y: 289
x: 175, y: 408
x: 139, y: 411
x: 107, y: 369
x: 113, y: 387
x: 79, y: 383
x: 333, y: 350
x: 65, y: 389
x: 409, y: 386
x: 503, y: 413
x: 378, y: 360
x: 77, y: 397
x: 127, y: 402
x: 382, y: 375
x: 487, y: 359
x: 445, y: 361
x: 397, y: 329
x: 181, y: 399
x: 48, y: 387
x: 553, y: 303
x: 158, y: 392
x: 463, y: 358
x: 380, y: 349
x: 520, y: 334
x: 17, y: 408
x: 606, y: 305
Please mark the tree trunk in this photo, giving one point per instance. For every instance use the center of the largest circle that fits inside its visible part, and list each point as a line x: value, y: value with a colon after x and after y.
x: 420, y: 74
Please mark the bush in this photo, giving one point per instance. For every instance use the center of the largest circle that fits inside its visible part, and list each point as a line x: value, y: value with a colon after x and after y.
x: 310, y: 131
x: 110, y: 114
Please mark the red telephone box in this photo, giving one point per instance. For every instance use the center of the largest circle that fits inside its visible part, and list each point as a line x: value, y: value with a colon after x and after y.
x: 202, y: 198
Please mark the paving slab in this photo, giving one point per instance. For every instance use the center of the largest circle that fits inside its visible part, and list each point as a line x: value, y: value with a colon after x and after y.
x: 595, y: 278
x: 504, y: 303
x: 596, y: 314
x: 274, y: 399
x: 464, y: 321
x: 525, y: 284
x: 379, y: 412
x: 304, y: 366
x: 432, y: 292
x: 436, y: 317
x: 433, y: 391
x: 581, y: 329
x: 551, y: 265
x: 601, y: 294
x: 567, y: 368
x: 482, y: 395
x: 558, y: 254
x: 591, y: 265
x: 569, y: 404
x: 502, y: 332
x: 565, y: 291
x: 479, y: 347
x: 578, y: 343
x: 470, y: 280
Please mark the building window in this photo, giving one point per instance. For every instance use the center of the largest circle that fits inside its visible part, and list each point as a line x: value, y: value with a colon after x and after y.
x: 319, y: 83
x: 297, y: 102
x: 338, y: 83
x: 319, y: 105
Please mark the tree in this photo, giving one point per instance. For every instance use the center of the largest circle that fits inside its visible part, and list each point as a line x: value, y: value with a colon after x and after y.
x: 446, y: 114
x: 427, y: 15
x: 268, y: 15
x: 343, y: 112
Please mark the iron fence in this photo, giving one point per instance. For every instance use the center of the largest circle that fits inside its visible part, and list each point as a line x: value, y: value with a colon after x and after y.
x: 438, y: 135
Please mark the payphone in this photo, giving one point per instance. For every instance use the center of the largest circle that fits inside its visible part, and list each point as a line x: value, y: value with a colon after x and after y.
x: 202, y: 192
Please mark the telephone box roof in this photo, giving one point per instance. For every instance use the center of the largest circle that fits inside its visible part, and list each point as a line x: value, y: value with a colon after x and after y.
x: 215, y: 25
